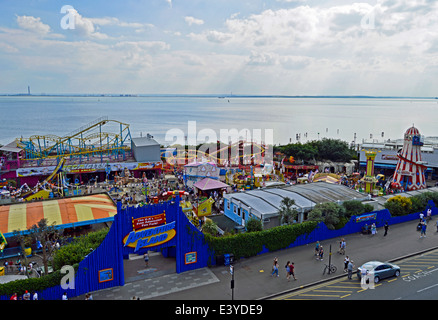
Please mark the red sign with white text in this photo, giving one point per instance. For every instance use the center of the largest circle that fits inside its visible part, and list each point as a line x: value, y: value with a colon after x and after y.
x: 147, y: 222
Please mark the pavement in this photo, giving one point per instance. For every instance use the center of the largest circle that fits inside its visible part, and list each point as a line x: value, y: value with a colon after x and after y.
x: 252, y: 276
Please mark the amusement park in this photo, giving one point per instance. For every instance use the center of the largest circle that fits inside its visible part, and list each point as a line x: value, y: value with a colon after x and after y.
x: 155, y: 201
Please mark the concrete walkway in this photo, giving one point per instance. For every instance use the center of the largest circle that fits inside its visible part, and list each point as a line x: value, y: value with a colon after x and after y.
x: 252, y: 276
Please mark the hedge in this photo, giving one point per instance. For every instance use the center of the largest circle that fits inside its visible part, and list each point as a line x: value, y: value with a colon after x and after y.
x: 251, y: 243
x: 32, y: 284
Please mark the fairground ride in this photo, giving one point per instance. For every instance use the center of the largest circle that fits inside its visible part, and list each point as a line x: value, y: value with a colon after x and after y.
x: 245, y: 154
x: 88, y: 141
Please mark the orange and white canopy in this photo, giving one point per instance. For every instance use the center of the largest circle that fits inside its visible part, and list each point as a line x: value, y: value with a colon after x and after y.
x: 65, y: 212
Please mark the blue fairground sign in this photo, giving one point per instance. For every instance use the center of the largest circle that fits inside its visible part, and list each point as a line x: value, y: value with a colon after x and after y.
x: 149, y: 237
x: 366, y: 217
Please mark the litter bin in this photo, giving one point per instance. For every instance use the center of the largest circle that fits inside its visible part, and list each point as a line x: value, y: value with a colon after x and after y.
x: 28, y: 252
x: 219, y: 260
x: 2, y: 271
x: 228, y: 259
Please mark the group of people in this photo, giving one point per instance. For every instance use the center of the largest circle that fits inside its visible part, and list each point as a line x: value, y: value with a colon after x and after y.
x: 348, y: 267
x: 319, y: 251
x: 290, y: 269
x: 422, y: 225
x: 26, y: 296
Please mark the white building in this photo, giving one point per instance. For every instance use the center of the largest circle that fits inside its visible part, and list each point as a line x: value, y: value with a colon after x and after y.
x: 196, y: 171
x: 264, y: 204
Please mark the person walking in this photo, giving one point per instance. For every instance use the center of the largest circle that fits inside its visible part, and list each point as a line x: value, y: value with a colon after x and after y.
x: 373, y: 229
x: 429, y: 214
x: 288, y: 271
x: 342, y: 246
x: 321, y: 254
x: 423, y: 229
x: 292, y: 270
x: 26, y: 295
x: 386, y: 227
x: 350, y: 267
x: 275, y: 268
x: 346, y: 261
x: 146, y: 259
x: 317, y: 245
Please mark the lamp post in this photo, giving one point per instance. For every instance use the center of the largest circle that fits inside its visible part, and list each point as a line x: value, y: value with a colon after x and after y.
x: 232, y: 281
x: 330, y: 258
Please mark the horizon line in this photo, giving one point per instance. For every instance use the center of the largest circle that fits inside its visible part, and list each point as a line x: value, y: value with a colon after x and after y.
x: 217, y: 95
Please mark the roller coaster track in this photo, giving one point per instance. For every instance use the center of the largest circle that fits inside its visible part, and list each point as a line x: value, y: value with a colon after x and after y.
x: 215, y: 156
x: 77, y: 142
x: 48, y: 179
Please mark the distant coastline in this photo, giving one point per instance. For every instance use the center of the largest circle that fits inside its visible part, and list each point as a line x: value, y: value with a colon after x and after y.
x: 220, y: 96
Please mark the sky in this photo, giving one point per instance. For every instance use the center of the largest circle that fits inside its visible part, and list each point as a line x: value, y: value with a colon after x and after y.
x: 277, y: 47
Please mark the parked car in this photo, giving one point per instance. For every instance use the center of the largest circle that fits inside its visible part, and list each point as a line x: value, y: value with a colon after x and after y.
x: 380, y: 270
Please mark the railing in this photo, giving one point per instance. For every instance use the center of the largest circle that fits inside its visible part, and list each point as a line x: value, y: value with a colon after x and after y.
x: 92, y: 123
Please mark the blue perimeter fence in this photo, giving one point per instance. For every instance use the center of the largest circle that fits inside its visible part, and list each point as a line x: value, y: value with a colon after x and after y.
x: 110, y: 252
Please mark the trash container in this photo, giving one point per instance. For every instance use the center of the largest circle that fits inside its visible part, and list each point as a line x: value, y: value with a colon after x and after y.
x: 2, y: 271
x: 228, y: 259
x: 28, y: 252
x: 219, y: 260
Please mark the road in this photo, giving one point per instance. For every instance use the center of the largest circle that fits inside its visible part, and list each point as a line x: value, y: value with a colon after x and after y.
x: 418, y: 281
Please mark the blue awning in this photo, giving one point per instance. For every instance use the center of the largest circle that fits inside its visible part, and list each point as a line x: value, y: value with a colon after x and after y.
x: 386, y: 166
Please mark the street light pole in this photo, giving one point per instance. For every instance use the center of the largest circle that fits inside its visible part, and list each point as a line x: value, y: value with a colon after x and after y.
x: 330, y: 258
x: 232, y: 281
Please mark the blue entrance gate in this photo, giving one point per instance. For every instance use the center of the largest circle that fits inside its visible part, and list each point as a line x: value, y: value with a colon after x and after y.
x: 159, y: 227
x: 135, y: 230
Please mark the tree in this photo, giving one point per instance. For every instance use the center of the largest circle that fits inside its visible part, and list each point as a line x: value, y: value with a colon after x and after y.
x: 355, y: 208
x: 24, y: 241
x: 254, y: 224
x: 299, y: 151
x: 334, y: 150
x: 287, y: 213
x: 46, y: 237
x: 325, y: 149
x: 330, y: 213
x: 210, y: 227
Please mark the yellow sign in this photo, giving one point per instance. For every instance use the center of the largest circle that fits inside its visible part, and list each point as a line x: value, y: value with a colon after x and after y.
x: 150, y: 237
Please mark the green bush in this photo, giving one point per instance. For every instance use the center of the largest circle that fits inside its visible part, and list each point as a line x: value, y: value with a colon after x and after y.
x: 70, y: 254
x: 399, y: 205
x: 253, y: 225
x: 32, y: 284
x: 356, y: 208
x: 251, y: 243
x: 76, y: 251
x: 328, y: 212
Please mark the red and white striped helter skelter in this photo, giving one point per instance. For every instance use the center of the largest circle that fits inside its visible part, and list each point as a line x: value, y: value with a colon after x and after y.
x: 409, y: 173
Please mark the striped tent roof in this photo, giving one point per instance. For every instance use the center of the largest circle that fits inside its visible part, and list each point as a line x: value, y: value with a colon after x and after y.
x: 65, y: 212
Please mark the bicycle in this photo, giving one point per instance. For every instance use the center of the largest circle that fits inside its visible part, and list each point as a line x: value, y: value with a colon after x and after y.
x: 329, y: 269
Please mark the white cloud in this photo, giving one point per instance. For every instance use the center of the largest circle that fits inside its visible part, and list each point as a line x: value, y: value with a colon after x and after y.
x: 298, y: 49
x: 33, y: 24
x: 85, y: 26
x: 191, y: 20
x: 113, y: 21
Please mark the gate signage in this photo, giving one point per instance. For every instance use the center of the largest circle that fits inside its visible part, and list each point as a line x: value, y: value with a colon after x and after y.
x: 149, y: 231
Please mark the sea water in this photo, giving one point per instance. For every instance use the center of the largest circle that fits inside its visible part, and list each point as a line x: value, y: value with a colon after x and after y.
x: 311, y: 118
